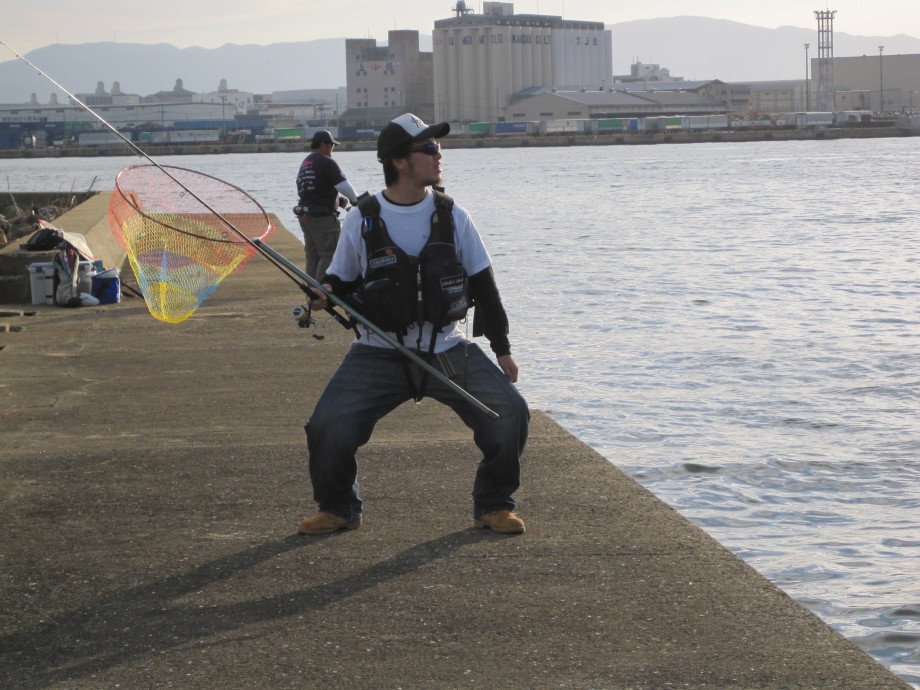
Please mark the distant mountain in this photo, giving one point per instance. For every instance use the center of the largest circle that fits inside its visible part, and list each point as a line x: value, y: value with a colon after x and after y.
x: 700, y: 48
x: 145, y: 69
x: 690, y: 47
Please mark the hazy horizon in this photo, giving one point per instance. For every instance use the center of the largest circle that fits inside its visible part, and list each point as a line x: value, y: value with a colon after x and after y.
x: 210, y: 24
x: 694, y: 48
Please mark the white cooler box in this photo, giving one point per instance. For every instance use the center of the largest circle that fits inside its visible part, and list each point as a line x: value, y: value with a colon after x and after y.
x: 41, y: 280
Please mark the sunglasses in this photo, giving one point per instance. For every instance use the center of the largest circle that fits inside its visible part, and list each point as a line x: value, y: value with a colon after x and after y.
x: 432, y: 148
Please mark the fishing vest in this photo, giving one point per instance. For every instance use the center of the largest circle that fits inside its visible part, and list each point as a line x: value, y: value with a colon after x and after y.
x: 401, y: 290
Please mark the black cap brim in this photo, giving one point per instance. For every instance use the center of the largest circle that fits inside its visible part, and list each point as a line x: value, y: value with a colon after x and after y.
x: 434, y: 132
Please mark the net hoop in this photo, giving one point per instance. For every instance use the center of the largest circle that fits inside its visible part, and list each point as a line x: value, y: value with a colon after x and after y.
x: 178, y: 172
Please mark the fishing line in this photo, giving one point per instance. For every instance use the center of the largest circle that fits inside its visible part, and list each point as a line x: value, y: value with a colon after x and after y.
x: 277, y: 260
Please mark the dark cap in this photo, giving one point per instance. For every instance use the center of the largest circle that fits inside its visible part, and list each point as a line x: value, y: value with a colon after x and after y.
x: 404, y: 130
x: 322, y: 136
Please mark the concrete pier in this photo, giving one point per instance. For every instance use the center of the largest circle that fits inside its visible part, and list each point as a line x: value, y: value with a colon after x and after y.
x: 153, y: 477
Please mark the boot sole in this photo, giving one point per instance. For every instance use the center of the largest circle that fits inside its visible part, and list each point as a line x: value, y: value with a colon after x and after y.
x: 329, y: 530
x: 514, y: 529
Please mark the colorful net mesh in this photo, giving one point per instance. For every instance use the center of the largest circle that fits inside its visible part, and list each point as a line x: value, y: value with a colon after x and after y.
x: 179, y: 248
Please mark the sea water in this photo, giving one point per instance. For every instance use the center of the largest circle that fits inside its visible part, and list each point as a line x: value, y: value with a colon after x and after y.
x: 734, y: 325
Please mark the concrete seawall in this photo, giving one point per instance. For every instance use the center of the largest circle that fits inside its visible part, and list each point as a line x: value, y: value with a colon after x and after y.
x: 504, y: 141
x: 153, y: 477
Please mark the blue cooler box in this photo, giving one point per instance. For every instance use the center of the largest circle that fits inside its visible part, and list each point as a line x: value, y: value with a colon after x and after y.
x: 107, y: 286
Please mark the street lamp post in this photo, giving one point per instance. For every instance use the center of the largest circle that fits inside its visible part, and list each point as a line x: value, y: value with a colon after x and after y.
x: 223, y: 117
x: 881, y: 82
x: 807, y: 94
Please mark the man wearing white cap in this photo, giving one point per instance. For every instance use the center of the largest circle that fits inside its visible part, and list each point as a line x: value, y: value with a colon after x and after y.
x: 415, y: 262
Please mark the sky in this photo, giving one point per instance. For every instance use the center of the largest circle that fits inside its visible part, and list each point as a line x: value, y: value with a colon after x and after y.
x: 212, y: 23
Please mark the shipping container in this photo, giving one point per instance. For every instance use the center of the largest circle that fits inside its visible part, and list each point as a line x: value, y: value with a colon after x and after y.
x: 195, y: 136
x: 100, y: 138
x: 167, y: 136
x: 289, y: 133
x: 561, y: 127
x: 504, y: 128
x: 811, y: 120
x: 612, y: 124
x: 705, y: 122
x: 202, y: 124
x: 482, y: 129
x: 358, y: 133
x: 853, y: 117
x: 78, y: 126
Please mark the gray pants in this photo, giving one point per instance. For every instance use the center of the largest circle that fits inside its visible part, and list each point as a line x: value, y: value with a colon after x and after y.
x: 320, y: 236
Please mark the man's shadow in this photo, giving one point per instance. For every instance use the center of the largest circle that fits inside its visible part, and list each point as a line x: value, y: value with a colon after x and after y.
x: 129, y: 624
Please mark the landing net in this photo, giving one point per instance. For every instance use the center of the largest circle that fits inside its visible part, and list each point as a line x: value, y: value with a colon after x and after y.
x: 179, y: 248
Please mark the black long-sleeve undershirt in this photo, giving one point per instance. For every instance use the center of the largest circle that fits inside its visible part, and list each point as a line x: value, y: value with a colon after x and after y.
x: 489, y: 318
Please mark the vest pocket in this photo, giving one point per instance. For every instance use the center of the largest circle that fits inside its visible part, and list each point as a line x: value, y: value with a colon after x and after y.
x: 386, y: 305
x: 446, y: 298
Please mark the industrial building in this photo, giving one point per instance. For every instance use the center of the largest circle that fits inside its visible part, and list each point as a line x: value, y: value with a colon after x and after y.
x: 384, y: 81
x: 625, y: 100
x: 880, y: 83
x: 482, y: 61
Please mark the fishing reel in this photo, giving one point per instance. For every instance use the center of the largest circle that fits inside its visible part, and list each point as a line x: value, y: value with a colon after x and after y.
x: 304, y: 319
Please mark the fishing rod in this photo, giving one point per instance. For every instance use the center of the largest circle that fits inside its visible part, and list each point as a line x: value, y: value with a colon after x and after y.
x: 273, y: 257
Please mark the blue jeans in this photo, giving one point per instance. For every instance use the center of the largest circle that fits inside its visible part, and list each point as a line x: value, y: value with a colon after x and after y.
x: 371, y: 382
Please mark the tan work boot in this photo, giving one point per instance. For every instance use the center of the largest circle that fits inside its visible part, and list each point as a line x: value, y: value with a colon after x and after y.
x: 501, y: 521
x: 326, y: 523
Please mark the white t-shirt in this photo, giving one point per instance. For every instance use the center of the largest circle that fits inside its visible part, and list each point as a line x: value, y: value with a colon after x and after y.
x: 409, y: 228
